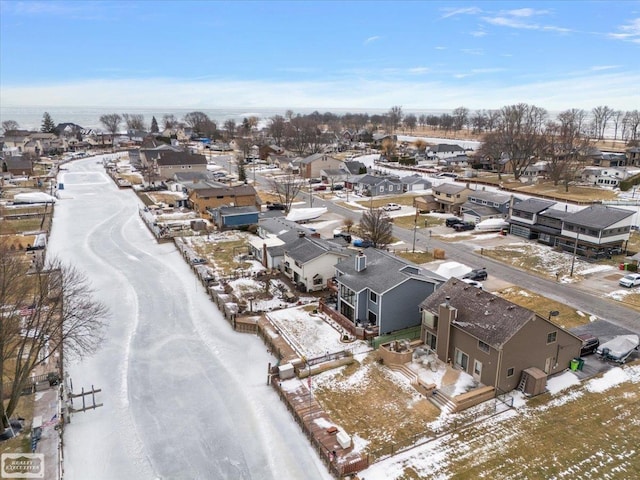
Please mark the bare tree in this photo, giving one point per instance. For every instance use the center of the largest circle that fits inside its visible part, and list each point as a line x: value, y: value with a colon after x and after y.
x: 377, y: 227
x: 47, y: 312
x: 479, y: 121
x: 9, y: 125
x: 519, y: 136
x: 277, y: 128
x: 460, y: 118
x: 601, y: 116
x: 169, y: 120
x: 394, y: 118
x: 230, y: 128
x: 287, y: 188
x: 617, y: 117
x: 134, y: 121
x: 200, y: 123
x: 410, y: 122
x: 111, y: 122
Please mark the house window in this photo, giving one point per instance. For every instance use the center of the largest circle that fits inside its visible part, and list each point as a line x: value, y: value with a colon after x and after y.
x: 510, y: 372
x: 372, y: 317
x: 382, y: 189
x: 461, y: 360
x: 551, y: 337
x: 317, y: 281
x: 429, y: 320
x: 483, y: 346
x: 373, y: 297
x: 347, y: 295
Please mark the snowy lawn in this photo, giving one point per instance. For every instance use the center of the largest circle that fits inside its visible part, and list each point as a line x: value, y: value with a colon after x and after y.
x: 582, y: 428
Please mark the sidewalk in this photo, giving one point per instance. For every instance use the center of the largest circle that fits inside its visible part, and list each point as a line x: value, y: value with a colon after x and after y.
x: 46, y: 417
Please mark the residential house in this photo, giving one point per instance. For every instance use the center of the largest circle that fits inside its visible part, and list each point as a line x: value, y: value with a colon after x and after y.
x: 375, y: 185
x: 524, y: 216
x: 205, y: 195
x: 378, y: 139
x: 426, y: 203
x: 596, y: 229
x: 377, y: 290
x: 483, y: 204
x: 266, y: 150
x: 287, y: 164
x: 455, y: 163
x: 532, y: 173
x: 311, y: 166
x: 607, y: 177
x: 309, y: 262
x: 334, y: 175
x: 491, y: 338
x: 633, y: 156
x: 414, y: 182
x: 273, y: 234
x: 606, y: 159
x: 226, y: 218
x: 15, y: 140
x: 592, y: 232
x: 445, y: 150
x: 451, y: 196
x: 16, y: 166
x: 355, y: 167
x: 169, y: 162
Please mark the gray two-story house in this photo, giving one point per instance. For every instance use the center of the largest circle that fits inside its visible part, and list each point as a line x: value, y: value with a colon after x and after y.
x: 379, y: 290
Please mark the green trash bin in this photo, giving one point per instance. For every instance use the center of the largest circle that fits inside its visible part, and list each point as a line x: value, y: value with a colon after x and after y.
x: 580, y: 363
x: 574, y: 365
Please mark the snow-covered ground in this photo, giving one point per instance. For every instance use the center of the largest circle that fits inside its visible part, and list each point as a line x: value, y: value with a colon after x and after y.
x: 184, y: 396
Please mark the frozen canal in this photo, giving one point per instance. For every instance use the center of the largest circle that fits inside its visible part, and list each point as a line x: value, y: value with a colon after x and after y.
x: 184, y: 396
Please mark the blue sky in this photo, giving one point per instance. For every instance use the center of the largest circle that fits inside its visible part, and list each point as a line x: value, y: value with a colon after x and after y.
x: 329, y: 54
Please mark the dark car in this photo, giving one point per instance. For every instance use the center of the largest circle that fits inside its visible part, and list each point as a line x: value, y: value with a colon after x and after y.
x: 315, y: 180
x: 478, y: 274
x: 463, y: 227
x: 275, y: 206
x: 590, y: 344
x: 337, y: 187
x: 451, y: 221
x: 198, y: 261
x: 346, y: 236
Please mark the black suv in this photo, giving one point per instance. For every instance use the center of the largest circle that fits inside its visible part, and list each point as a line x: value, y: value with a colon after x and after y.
x: 451, y: 221
x: 479, y: 275
x: 275, y: 206
x: 589, y: 344
x: 464, y: 226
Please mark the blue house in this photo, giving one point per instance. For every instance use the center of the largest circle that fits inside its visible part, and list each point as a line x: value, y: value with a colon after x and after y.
x: 227, y: 218
x: 377, y: 290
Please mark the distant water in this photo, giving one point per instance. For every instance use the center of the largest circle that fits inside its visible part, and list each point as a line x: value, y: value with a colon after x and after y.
x: 30, y: 118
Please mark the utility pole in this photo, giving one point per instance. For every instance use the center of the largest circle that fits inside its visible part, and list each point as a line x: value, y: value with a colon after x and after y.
x: 575, y: 251
x: 415, y: 227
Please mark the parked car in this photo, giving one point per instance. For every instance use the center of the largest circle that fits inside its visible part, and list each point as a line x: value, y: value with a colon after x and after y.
x: 320, y: 187
x: 630, y: 280
x: 198, y: 261
x: 391, y: 206
x: 315, y: 180
x: 451, y: 221
x: 478, y: 274
x: 464, y: 226
x: 344, y: 235
x: 473, y: 283
x: 359, y: 242
x: 275, y: 206
x: 337, y: 187
x: 590, y: 344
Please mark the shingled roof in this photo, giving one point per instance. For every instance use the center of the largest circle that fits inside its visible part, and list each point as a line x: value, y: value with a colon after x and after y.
x: 598, y: 216
x: 487, y: 317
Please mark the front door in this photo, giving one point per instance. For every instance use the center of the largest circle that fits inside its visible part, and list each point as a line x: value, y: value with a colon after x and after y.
x: 477, y: 370
x: 547, y: 364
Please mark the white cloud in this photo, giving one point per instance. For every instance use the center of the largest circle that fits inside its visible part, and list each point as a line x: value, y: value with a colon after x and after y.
x: 372, y: 39
x: 525, y: 12
x: 418, y: 70
x: 478, y: 33
x: 452, y: 12
x: 598, y: 68
x: 520, y: 19
x: 629, y: 32
x: 440, y: 47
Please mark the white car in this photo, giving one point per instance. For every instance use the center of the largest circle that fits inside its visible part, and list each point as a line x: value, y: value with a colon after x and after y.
x: 630, y: 280
x: 391, y: 206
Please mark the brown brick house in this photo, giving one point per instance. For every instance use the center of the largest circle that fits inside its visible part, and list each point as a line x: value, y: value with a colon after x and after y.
x: 203, y: 195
